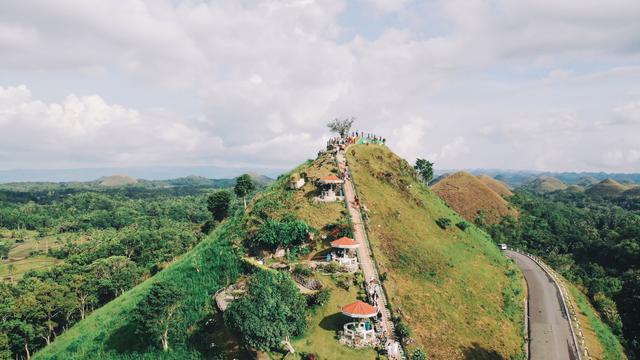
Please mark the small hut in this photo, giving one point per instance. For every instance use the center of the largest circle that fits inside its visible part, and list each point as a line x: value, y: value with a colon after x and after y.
x: 344, y: 252
x: 330, y: 187
x: 361, y: 332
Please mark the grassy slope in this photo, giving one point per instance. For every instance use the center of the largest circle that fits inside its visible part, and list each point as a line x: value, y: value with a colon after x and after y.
x: 323, y: 324
x: 602, y: 343
x: 107, y: 331
x: 496, y: 185
x: 449, y: 284
x: 198, y: 274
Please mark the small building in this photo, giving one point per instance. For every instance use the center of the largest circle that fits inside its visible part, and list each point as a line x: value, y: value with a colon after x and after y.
x: 361, y: 332
x: 344, y: 252
x: 503, y: 246
x: 330, y: 189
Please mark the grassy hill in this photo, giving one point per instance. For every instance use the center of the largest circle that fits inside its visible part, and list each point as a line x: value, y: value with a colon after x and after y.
x: 496, y: 185
x: 108, y: 333
x: 118, y: 180
x: 468, y: 195
x: 633, y: 191
x: 545, y: 184
x: 460, y: 296
x: 446, y: 284
x: 606, y: 187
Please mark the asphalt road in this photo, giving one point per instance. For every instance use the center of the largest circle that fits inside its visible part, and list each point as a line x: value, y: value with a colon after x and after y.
x: 549, y: 330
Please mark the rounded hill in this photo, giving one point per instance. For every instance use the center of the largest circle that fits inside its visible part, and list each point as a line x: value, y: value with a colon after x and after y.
x: 546, y: 184
x: 607, y: 187
x: 469, y: 197
x: 496, y: 185
x: 118, y: 180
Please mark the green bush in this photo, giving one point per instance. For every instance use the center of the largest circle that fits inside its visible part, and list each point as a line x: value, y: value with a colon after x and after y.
x: 463, y: 225
x: 418, y: 354
x: 289, y: 232
x: 443, y: 223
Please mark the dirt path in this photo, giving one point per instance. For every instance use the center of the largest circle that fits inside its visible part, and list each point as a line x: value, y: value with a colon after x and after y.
x: 364, y: 256
x: 549, y: 327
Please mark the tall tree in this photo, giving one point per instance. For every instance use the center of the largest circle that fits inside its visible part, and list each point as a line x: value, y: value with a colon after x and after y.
x: 218, y: 204
x: 425, y: 170
x: 271, y: 311
x: 244, y: 186
x: 341, y: 126
x: 156, y: 312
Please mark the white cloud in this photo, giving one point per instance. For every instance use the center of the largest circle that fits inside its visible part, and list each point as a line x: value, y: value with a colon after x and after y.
x: 536, y: 76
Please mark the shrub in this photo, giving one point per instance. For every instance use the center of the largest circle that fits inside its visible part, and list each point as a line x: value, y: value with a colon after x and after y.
x: 402, y: 329
x: 286, y: 233
x: 302, y: 270
x: 443, y: 223
x: 320, y: 298
x: 462, y: 225
x: 418, y: 354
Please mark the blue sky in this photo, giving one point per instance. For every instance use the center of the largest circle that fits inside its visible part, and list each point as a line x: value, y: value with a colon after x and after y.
x: 533, y: 84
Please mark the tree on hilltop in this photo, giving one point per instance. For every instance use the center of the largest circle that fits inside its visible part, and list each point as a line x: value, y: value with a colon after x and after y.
x: 341, y: 126
x: 425, y: 169
x: 244, y: 186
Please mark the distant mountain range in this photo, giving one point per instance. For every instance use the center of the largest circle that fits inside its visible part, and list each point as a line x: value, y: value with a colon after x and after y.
x: 519, y: 178
x: 150, y: 173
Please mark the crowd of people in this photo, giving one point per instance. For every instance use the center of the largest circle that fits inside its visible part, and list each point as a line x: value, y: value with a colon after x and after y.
x: 356, y: 137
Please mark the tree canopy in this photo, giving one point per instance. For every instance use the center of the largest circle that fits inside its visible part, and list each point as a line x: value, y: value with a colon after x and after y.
x: 424, y: 169
x: 218, y: 204
x: 244, y: 186
x: 270, y: 311
x: 341, y: 126
x: 285, y: 233
x: 156, y: 312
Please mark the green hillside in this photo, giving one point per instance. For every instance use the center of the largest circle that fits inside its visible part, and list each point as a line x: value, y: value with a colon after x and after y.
x: 447, y: 284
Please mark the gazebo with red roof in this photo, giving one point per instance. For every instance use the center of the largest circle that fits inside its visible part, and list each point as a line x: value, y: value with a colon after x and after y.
x: 345, y: 243
x: 343, y: 253
x: 360, y: 332
x: 329, y: 186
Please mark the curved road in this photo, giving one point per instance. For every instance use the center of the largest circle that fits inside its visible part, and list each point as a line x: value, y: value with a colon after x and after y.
x: 549, y: 330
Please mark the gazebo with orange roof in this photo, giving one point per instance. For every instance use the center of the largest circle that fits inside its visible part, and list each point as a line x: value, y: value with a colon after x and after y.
x: 360, y: 332
x: 328, y: 188
x: 343, y: 253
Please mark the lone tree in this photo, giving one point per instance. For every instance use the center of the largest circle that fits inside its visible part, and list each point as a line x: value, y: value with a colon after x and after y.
x: 341, y: 126
x: 156, y: 312
x: 271, y: 311
x: 425, y: 169
x: 244, y: 186
x: 218, y: 204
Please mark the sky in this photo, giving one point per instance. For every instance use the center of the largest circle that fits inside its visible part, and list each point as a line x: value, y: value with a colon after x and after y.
x: 541, y: 85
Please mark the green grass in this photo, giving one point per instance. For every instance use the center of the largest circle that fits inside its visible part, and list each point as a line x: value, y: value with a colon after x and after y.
x: 324, y: 324
x: 611, y: 348
x: 449, y: 285
x: 27, y: 255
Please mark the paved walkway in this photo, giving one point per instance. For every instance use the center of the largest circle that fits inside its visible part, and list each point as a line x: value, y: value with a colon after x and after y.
x: 549, y: 326
x: 364, y: 256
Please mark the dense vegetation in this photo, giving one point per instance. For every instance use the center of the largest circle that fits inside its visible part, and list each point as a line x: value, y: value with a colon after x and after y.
x: 105, y: 241
x: 594, y: 242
